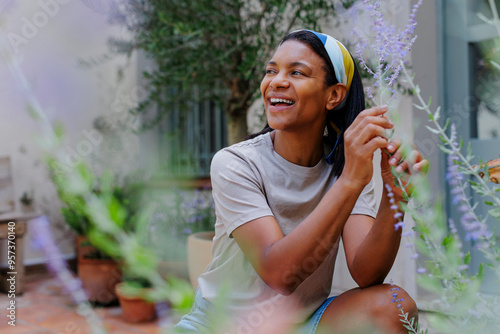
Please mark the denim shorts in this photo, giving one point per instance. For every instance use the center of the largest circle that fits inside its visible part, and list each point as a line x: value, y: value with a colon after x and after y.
x: 197, y: 320
x: 311, y: 324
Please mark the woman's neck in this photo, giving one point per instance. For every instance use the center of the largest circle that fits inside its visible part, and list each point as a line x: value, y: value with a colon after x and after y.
x: 302, y: 150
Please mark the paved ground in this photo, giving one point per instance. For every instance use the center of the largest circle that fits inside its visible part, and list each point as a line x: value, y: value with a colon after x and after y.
x: 44, y: 308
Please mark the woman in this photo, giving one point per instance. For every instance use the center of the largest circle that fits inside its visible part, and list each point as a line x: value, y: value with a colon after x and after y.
x: 282, y: 205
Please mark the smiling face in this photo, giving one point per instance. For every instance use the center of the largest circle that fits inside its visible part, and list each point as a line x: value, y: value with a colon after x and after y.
x: 294, y: 90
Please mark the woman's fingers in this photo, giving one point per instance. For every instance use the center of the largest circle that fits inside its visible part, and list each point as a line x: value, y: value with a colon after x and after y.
x: 421, y: 167
x: 368, y: 126
x: 372, y: 115
x: 393, y: 145
x: 413, y: 161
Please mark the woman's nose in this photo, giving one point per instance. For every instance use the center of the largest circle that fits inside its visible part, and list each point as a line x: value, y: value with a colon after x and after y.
x: 279, y: 81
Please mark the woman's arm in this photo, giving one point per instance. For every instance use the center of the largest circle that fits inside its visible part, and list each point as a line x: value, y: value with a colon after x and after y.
x: 371, y: 245
x: 284, y: 262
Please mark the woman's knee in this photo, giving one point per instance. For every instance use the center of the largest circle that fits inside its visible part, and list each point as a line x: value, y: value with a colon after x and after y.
x: 390, y: 303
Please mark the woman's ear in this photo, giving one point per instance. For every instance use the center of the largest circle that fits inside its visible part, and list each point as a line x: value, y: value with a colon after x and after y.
x: 337, y: 95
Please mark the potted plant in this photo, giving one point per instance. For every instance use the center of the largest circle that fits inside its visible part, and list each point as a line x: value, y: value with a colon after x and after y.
x: 98, y: 271
x: 137, y: 299
x: 96, y: 263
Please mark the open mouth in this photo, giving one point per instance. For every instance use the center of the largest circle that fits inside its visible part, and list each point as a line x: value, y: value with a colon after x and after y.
x: 277, y: 102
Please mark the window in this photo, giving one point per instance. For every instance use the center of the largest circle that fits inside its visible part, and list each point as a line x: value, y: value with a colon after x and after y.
x: 189, y: 139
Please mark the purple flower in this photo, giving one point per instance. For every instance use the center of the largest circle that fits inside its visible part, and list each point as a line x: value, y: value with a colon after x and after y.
x: 55, y: 260
x: 421, y: 270
x: 389, y: 45
x: 476, y: 230
x: 399, y: 225
x: 397, y: 215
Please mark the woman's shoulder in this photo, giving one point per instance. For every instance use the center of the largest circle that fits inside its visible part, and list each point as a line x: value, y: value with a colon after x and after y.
x: 247, y: 150
x: 246, y: 159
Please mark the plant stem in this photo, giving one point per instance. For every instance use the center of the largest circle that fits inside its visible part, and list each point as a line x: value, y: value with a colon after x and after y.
x: 494, y: 11
x: 442, y: 133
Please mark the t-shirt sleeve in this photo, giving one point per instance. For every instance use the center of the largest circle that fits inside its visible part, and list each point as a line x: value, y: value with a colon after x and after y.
x: 366, y: 203
x: 238, y: 194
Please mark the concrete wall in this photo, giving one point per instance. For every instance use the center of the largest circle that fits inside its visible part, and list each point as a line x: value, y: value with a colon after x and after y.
x: 46, y: 39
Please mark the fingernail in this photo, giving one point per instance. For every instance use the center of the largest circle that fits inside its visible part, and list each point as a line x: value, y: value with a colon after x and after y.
x: 390, y: 147
x: 399, y: 169
x: 384, y: 106
x: 392, y: 161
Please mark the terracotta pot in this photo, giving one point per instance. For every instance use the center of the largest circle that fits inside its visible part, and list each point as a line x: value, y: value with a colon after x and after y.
x: 99, y: 278
x: 135, y: 309
x: 199, y: 254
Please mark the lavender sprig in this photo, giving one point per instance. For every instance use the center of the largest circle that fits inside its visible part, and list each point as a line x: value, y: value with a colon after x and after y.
x: 398, y: 215
x: 390, y: 48
x: 476, y: 229
x: 57, y: 266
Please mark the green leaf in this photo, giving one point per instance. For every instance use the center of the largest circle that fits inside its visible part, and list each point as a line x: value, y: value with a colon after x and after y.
x: 35, y: 114
x: 446, y: 124
x: 59, y: 130
x: 436, y: 131
x: 495, y: 213
x: 437, y: 114
x: 495, y: 64
x: 444, y: 149
x: 480, y: 272
x: 447, y: 241
x: 467, y: 258
x: 418, y: 106
x: 431, y: 284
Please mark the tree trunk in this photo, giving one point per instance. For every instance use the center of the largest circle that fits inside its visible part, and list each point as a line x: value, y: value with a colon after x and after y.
x: 236, y: 126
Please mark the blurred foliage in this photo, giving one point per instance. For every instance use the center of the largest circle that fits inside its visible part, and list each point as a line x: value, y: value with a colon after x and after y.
x: 210, y: 50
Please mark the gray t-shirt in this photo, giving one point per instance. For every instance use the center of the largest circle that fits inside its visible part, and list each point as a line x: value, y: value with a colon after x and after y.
x: 250, y: 180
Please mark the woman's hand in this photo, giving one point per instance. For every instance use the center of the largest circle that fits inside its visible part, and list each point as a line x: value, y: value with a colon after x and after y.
x: 406, y: 161
x: 363, y: 137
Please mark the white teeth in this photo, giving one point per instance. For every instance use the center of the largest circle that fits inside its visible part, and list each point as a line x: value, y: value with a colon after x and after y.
x: 281, y: 101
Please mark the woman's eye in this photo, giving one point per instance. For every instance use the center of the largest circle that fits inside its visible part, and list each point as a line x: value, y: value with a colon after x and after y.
x: 270, y: 71
x: 296, y: 73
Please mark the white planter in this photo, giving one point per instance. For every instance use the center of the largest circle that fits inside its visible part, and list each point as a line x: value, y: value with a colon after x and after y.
x: 199, y: 254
